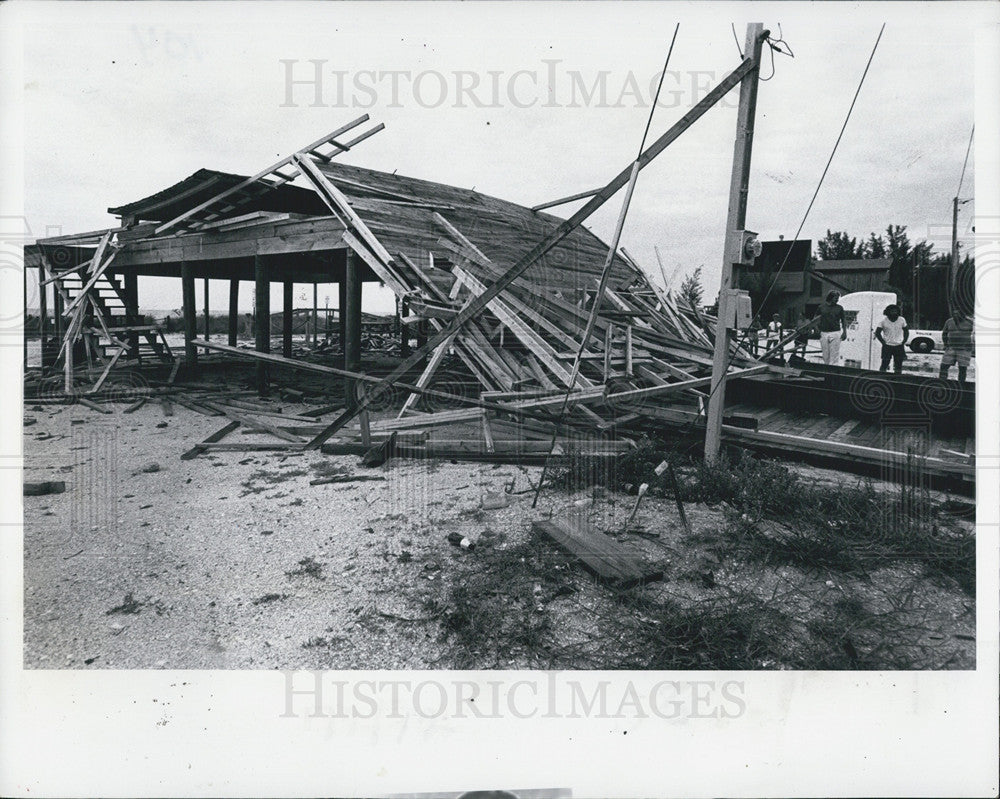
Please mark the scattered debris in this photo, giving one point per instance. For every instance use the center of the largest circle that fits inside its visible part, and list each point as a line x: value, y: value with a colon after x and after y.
x: 307, y: 568
x: 128, y: 606
x: 46, y: 487
x: 268, y: 598
x: 459, y: 540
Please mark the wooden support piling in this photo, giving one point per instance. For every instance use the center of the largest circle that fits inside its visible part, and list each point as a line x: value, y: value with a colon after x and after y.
x: 315, y: 314
x: 286, y: 319
x: 262, y: 321
x: 341, y: 305
x: 234, y: 311
x: 351, y: 326
x: 208, y: 320
x: 190, y: 323
x: 130, y: 290
x: 43, y: 313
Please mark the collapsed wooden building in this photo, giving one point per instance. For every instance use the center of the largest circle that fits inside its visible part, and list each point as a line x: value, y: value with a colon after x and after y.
x: 557, y: 333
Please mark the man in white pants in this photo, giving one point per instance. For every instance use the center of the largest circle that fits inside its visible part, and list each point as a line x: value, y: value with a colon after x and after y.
x: 832, y: 328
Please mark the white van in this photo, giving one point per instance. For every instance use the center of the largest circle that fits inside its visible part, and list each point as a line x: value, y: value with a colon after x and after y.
x: 863, y: 310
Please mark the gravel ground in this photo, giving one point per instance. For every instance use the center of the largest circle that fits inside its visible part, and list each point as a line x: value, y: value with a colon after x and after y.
x: 229, y: 560
x: 233, y: 561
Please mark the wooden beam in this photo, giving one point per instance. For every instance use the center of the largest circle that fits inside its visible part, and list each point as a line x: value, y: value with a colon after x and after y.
x: 190, y: 322
x: 515, y: 409
x: 97, y: 268
x: 131, y: 295
x: 351, y: 324
x: 234, y: 311
x: 315, y: 316
x: 208, y: 320
x: 218, y: 435
x: 262, y: 326
x: 564, y: 200
x: 286, y: 319
x: 43, y: 312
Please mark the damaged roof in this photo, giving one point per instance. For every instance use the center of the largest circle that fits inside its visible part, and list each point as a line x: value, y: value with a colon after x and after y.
x: 205, y: 184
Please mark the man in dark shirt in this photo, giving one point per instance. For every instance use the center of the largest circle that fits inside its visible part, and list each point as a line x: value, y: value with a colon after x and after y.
x: 832, y: 328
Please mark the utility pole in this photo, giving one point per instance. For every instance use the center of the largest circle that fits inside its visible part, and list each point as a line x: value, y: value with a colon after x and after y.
x: 736, y: 219
x: 953, y: 271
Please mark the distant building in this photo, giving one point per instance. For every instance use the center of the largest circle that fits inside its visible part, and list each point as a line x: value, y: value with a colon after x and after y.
x: 797, y: 281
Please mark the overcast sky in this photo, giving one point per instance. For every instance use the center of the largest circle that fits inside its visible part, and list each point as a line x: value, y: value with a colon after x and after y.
x: 121, y: 103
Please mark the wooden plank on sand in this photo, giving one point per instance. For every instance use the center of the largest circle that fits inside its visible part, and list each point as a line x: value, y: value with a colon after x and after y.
x: 611, y: 561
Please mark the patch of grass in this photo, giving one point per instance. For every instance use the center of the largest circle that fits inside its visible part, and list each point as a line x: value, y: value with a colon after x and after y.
x: 266, y: 599
x: 725, y: 633
x: 497, y: 610
x: 129, y: 606
x: 307, y: 568
x: 261, y: 479
x: 320, y: 642
x: 328, y: 469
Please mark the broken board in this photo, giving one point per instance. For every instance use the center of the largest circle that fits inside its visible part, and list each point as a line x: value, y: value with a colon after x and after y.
x: 610, y: 561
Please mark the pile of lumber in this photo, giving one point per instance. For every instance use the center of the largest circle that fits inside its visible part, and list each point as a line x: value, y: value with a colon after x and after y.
x: 441, y: 249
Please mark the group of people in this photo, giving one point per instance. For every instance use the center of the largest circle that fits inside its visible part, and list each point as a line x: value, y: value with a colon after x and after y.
x: 892, y: 333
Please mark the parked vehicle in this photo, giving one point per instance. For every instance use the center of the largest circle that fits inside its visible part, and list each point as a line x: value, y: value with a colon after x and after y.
x: 925, y: 340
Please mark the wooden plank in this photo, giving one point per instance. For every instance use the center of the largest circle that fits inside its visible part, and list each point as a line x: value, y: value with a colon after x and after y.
x: 609, y: 560
x: 239, y: 417
x: 866, y: 454
x: 322, y: 411
x: 97, y: 268
x: 218, y: 435
x: 840, y: 434
x: 488, y: 432
x: 252, y: 446
x: 114, y: 359
x: 136, y: 405
x: 563, y: 200
x: 93, y: 405
x: 432, y: 366
x: 261, y: 411
x: 366, y: 430
x: 190, y: 404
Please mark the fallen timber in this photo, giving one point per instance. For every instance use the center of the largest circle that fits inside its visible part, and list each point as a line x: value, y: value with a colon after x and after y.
x: 516, y: 408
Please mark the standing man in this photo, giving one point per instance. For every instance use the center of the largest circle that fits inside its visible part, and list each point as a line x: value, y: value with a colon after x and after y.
x: 774, y: 336
x: 753, y: 337
x: 892, y: 332
x: 958, y: 337
x: 832, y: 328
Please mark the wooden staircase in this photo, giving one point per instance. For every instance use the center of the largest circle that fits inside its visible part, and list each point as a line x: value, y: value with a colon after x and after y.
x: 110, y: 330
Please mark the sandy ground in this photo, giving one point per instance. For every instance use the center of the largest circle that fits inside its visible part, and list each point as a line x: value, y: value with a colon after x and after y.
x: 232, y: 560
